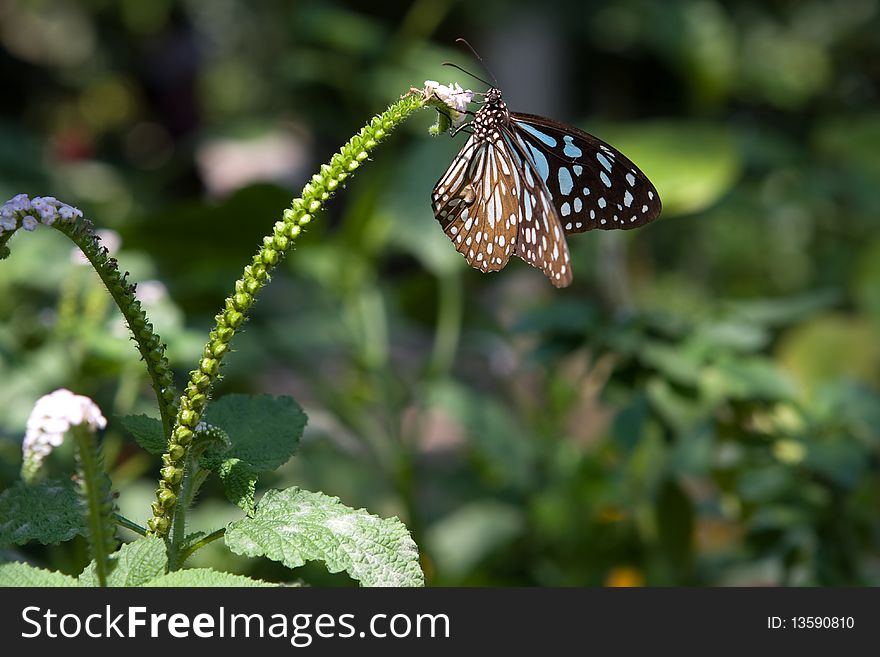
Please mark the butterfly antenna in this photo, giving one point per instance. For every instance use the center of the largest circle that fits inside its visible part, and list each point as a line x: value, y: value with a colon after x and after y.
x: 475, y: 77
x: 479, y: 59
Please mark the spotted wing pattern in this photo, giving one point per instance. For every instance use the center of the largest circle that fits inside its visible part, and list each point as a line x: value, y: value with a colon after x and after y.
x: 540, y: 239
x: 477, y: 203
x: 592, y: 184
x: 522, y: 182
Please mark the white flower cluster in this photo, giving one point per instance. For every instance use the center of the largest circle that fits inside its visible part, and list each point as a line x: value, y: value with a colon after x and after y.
x: 32, y: 211
x: 452, y: 95
x: 52, y: 417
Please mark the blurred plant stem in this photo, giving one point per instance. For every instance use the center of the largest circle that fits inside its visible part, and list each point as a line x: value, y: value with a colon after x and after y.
x: 449, y: 317
x: 612, y: 272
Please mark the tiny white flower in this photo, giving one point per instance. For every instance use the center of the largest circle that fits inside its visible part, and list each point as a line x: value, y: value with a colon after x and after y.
x: 29, y: 223
x: 52, y: 416
x: 451, y: 94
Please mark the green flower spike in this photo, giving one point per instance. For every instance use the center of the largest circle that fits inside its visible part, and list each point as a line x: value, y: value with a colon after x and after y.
x: 167, y: 513
x: 24, y: 212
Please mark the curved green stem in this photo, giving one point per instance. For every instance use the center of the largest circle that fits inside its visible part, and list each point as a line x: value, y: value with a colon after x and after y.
x: 188, y: 551
x: 149, y: 344
x: 256, y: 275
x: 122, y: 521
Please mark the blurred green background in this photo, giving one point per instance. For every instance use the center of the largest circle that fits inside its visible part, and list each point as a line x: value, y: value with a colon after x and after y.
x: 700, y: 407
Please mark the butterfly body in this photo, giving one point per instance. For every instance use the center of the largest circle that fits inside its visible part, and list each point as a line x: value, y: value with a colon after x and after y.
x: 522, y: 182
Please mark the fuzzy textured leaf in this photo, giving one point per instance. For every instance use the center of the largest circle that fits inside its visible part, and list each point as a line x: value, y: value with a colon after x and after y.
x: 134, y: 564
x: 205, y: 577
x: 239, y: 483
x: 147, y: 431
x: 294, y: 526
x: 47, y: 511
x: 22, y: 574
x: 264, y: 430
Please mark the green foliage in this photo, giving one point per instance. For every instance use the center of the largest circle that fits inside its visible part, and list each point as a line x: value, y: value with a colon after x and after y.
x: 264, y: 430
x: 22, y: 574
x: 701, y: 407
x: 134, y: 564
x: 147, y: 431
x: 47, y: 512
x: 204, y: 577
x: 138, y: 566
x: 294, y: 526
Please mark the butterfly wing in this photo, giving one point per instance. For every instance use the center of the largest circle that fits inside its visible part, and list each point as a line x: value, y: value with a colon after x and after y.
x: 476, y: 202
x: 540, y: 239
x: 592, y: 184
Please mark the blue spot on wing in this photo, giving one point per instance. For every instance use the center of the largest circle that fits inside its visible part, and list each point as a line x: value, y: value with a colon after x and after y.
x: 570, y: 149
x: 541, y: 164
x: 542, y: 136
x: 566, y: 184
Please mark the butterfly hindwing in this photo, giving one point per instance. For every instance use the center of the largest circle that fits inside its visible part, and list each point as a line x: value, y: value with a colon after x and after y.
x: 540, y: 239
x: 592, y: 184
x: 477, y: 203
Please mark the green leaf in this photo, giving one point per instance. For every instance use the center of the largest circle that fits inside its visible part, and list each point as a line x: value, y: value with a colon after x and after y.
x: 204, y: 577
x: 147, y: 431
x: 22, y: 574
x: 783, y: 311
x: 676, y: 363
x: 133, y: 564
x: 750, y: 378
x: 681, y: 411
x: 264, y: 430
x: 294, y: 526
x: 731, y: 335
x: 461, y: 540
x: 47, y: 511
x: 239, y: 483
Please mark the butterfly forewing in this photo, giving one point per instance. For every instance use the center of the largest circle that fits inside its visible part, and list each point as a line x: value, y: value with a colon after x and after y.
x: 592, y: 184
x: 477, y: 204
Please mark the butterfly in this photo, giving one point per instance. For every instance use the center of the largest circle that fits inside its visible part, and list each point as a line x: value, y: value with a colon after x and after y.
x: 521, y: 183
